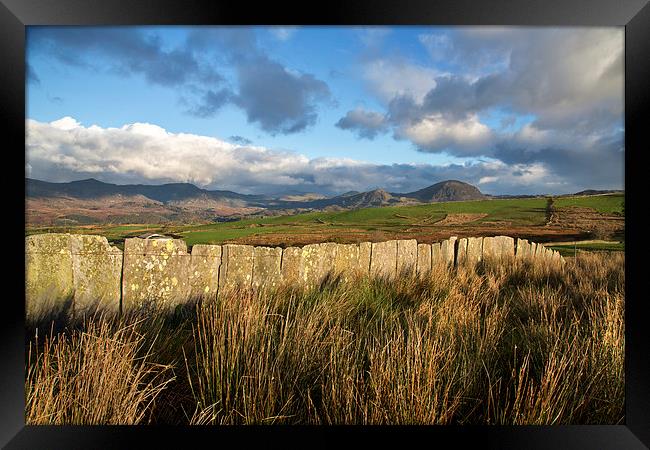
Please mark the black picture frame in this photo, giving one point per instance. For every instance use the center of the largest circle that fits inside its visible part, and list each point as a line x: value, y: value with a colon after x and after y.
x: 15, y: 15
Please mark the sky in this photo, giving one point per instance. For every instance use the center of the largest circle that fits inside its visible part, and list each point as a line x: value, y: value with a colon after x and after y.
x: 278, y: 110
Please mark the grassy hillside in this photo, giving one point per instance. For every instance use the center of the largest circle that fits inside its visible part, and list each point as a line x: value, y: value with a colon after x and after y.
x: 609, y: 204
x: 515, y: 212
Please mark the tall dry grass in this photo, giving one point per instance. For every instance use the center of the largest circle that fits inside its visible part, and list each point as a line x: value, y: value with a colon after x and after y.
x: 91, y: 377
x: 499, y: 344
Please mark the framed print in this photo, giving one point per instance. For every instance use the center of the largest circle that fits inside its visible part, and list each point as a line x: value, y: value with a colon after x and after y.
x: 378, y: 220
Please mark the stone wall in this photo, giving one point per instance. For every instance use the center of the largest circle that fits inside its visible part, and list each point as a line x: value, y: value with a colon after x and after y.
x: 81, y: 273
x: 71, y: 274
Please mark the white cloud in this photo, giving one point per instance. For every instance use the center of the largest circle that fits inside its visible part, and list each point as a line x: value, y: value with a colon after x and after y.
x: 65, y: 123
x: 373, y: 36
x: 437, y: 133
x: 389, y: 79
x: 65, y: 150
x: 283, y: 33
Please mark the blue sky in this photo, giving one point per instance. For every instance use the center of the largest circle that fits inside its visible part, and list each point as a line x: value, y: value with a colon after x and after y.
x: 327, y: 109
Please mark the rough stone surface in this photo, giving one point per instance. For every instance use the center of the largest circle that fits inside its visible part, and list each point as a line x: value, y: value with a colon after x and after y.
x: 543, y: 254
x: 498, y: 248
x: 507, y: 246
x: 523, y: 249
x: 461, y: 252
x: 97, y: 274
x: 557, y: 259
x: 49, y: 283
x: 491, y: 249
x: 317, y: 263
x: 474, y: 250
x: 437, y: 256
x: 204, y: 273
x: 266, y: 267
x: 424, y: 258
x: 365, y: 249
x: 291, y: 262
x: 346, y: 261
x: 407, y: 256
x: 448, y: 250
x: 156, y: 273
x: 384, y: 259
x: 236, y: 266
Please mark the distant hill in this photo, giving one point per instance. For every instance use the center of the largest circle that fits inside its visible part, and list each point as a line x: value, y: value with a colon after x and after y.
x: 597, y: 192
x: 92, y: 188
x: 377, y: 197
x: 92, y: 201
x: 446, y: 191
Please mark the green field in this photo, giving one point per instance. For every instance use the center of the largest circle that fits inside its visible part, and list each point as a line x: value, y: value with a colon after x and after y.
x: 609, y: 204
x: 517, y: 212
x: 570, y: 249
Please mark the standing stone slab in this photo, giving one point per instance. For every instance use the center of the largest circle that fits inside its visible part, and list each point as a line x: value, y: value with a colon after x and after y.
x: 474, y: 250
x: 498, y: 248
x: 491, y: 249
x: 542, y: 253
x: 407, y: 256
x: 437, y: 257
x: 448, y: 250
x: 461, y: 252
x: 236, y: 266
x: 346, y: 261
x: 507, y: 245
x: 523, y: 249
x: 290, y: 267
x: 97, y: 275
x: 49, y: 283
x: 317, y: 263
x: 266, y: 267
x: 365, y: 250
x: 384, y: 259
x: 424, y: 259
x: 204, y: 273
x: 556, y: 258
x: 155, y: 273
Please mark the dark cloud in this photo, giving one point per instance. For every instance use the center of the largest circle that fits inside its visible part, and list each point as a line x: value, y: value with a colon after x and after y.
x: 570, y: 81
x: 31, y: 76
x: 276, y: 98
x: 55, y: 99
x: 212, y: 102
x: 127, y: 50
x: 366, y: 124
x: 241, y: 140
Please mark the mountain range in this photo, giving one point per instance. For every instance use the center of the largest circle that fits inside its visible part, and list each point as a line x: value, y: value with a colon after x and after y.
x: 93, y: 201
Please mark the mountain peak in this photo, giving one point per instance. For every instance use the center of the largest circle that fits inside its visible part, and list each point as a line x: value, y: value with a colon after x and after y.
x: 445, y: 191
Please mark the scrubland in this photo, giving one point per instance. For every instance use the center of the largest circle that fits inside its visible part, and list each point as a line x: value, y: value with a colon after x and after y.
x: 495, y: 344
